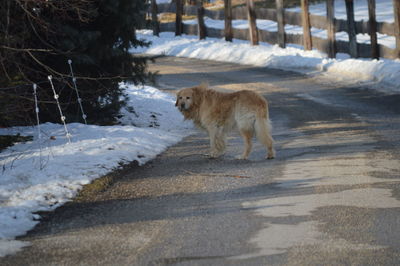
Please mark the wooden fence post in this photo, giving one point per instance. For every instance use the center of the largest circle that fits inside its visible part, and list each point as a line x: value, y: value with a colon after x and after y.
x: 178, y: 20
x: 200, y: 18
x: 280, y: 17
x: 305, y: 18
x: 154, y: 18
x: 396, y: 7
x: 351, y: 28
x: 251, y: 16
x: 372, y: 29
x: 330, y: 16
x: 228, y: 20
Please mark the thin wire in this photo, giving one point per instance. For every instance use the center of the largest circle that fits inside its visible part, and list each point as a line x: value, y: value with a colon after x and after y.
x: 36, y: 109
x: 59, y: 109
x: 76, y: 90
x: 38, y: 126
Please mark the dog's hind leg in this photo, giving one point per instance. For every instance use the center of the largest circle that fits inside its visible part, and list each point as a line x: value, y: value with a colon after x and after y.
x: 247, y: 136
x: 263, y: 133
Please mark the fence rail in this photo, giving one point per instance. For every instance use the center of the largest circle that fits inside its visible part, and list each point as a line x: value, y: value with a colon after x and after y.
x: 353, y: 28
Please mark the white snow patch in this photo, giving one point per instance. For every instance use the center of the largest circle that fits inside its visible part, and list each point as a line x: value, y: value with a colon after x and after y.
x: 41, y: 175
x: 384, y: 10
x: 382, y: 75
x: 272, y: 26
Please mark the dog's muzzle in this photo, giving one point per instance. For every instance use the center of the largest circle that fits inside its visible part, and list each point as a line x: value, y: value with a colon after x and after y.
x: 181, y: 107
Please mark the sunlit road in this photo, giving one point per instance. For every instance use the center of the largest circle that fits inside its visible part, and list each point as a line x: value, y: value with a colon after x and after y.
x: 331, y: 196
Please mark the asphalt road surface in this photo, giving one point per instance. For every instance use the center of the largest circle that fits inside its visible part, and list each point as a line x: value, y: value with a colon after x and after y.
x: 331, y: 196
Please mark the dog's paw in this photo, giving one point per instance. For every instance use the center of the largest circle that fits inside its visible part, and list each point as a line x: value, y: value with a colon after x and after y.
x: 215, y: 155
x: 271, y: 154
x: 208, y: 156
x: 241, y: 157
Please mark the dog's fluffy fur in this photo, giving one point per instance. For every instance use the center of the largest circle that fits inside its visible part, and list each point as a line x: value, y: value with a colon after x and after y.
x: 219, y: 112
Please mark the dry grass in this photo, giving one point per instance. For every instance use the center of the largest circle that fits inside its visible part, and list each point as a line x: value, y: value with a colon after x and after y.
x: 91, y: 190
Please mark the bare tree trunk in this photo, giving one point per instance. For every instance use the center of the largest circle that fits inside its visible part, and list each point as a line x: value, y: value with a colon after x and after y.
x: 228, y: 20
x: 280, y: 17
x: 305, y: 15
x: 251, y: 15
x: 396, y: 6
x: 372, y: 29
x: 330, y: 16
x: 154, y: 18
x: 200, y: 17
x: 351, y: 25
x: 178, y: 20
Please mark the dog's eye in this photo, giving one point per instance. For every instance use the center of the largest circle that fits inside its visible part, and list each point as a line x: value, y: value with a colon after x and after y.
x: 187, y: 98
x: 180, y: 97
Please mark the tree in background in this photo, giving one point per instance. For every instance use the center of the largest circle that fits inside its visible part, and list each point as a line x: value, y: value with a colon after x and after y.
x: 38, y: 37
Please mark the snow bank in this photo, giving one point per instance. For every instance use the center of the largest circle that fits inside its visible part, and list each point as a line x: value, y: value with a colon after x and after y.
x: 383, y: 73
x: 41, y: 175
x: 272, y: 26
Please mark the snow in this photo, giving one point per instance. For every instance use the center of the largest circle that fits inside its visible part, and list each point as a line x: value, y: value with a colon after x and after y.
x: 272, y: 26
x: 42, y: 174
x: 384, y: 13
x: 380, y: 74
x: 163, y: 1
x: 384, y: 10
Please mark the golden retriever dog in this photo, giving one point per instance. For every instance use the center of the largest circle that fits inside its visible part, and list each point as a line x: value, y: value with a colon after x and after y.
x: 220, y: 112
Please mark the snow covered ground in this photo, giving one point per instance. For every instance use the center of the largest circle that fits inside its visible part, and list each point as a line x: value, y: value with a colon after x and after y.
x: 384, y: 10
x: 379, y: 74
x: 42, y: 174
x: 272, y: 26
x: 382, y: 75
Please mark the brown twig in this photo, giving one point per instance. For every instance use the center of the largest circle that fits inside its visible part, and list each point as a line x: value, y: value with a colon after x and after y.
x: 217, y: 174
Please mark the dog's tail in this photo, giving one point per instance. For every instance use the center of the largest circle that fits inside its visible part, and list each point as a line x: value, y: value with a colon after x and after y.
x: 263, y: 129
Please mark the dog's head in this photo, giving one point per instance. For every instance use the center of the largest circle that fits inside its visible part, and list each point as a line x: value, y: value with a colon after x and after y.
x: 187, y: 99
x: 184, y: 99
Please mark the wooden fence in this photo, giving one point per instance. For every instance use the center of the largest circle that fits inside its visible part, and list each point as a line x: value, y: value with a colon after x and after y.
x: 331, y: 46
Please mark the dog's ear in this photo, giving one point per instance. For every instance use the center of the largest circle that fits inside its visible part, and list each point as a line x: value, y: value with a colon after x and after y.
x: 177, y: 97
x: 197, y: 95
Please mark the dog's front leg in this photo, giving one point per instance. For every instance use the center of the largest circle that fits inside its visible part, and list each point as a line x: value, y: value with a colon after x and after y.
x: 217, y: 141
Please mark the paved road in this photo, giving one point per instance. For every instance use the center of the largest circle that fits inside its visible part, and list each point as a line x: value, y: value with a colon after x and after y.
x: 332, y: 195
